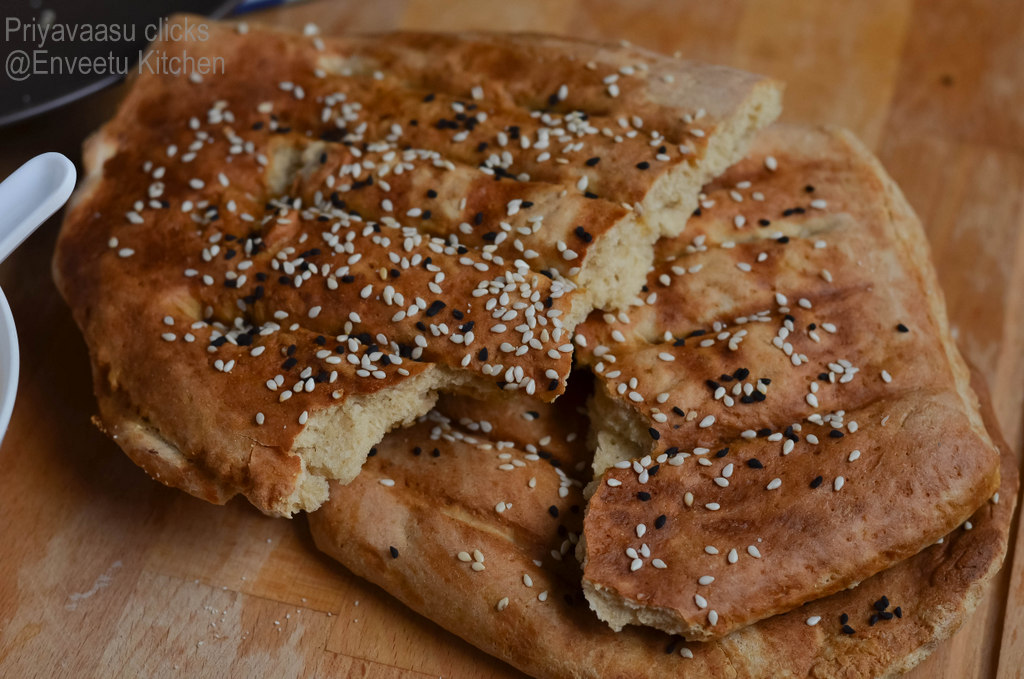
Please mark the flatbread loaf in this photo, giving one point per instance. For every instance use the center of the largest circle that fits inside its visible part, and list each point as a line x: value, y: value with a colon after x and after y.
x: 276, y: 263
x: 786, y: 414
x: 485, y: 550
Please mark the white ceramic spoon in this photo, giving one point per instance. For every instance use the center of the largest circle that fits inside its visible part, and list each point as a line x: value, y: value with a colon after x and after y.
x: 28, y: 197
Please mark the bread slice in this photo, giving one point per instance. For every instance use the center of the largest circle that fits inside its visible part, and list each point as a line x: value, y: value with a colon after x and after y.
x: 485, y: 552
x: 786, y: 414
x: 275, y: 263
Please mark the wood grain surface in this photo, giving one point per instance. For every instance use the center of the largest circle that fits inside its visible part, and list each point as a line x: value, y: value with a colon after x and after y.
x: 106, y: 573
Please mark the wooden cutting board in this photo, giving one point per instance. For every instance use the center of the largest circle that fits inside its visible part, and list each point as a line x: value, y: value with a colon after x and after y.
x: 106, y: 573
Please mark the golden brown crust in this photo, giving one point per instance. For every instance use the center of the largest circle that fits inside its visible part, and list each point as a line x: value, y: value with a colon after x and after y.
x: 802, y: 415
x: 350, y: 212
x: 439, y: 507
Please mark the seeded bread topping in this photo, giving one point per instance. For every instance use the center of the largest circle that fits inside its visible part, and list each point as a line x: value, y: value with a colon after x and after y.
x: 486, y: 539
x: 275, y: 265
x: 786, y: 414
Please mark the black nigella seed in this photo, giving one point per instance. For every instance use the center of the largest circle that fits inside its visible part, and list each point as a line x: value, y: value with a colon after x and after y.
x: 660, y: 521
x: 394, y: 552
x: 902, y: 328
x: 755, y: 463
x: 643, y: 496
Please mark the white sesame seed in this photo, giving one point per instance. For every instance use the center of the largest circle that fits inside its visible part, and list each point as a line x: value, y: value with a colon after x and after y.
x: 774, y: 483
x: 636, y: 565
x: 733, y: 556
x: 707, y: 422
x: 839, y: 482
x: 502, y: 604
x: 641, y: 530
x: 753, y: 551
x: 712, y: 506
x: 711, y: 549
x: 387, y: 482
x: 854, y: 455
x: 813, y: 620
x: 771, y: 163
x: 705, y: 580
x: 713, y: 617
x: 701, y: 602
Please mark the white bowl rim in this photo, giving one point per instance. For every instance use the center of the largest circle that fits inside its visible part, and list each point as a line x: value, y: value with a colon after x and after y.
x: 9, y: 363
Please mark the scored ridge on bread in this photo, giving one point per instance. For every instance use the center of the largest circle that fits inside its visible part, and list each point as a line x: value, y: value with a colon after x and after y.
x: 787, y: 403
x: 275, y: 264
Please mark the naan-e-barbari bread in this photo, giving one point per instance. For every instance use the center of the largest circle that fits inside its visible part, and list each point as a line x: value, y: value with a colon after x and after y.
x: 275, y: 265
x: 562, y: 344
